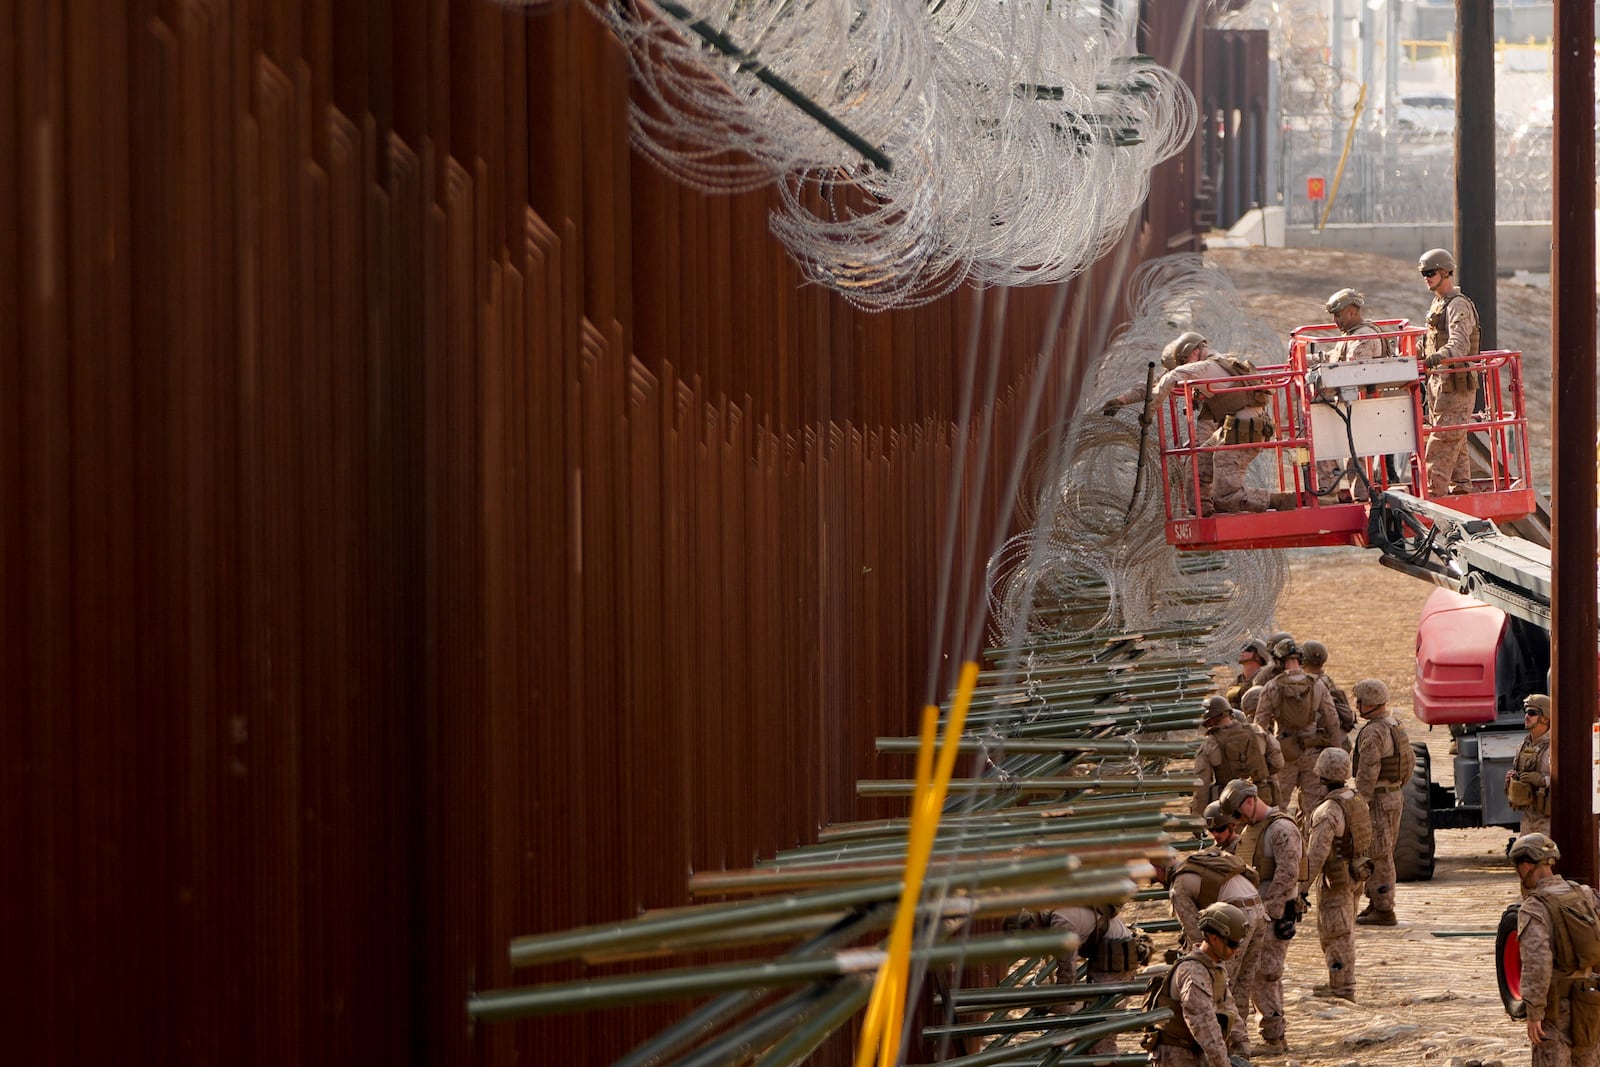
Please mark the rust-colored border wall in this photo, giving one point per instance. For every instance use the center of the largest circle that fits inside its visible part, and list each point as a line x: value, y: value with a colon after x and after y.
x: 423, y: 523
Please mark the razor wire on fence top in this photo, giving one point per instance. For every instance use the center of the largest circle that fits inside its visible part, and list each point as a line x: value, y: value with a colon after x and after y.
x: 914, y: 147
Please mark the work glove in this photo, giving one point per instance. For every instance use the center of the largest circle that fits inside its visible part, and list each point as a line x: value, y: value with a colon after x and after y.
x: 1302, y: 906
x: 1111, y: 407
x: 1432, y: 361
x: 1283, y: 928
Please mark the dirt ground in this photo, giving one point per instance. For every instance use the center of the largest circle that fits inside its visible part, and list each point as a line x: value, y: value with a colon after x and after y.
x: 1421, y: 998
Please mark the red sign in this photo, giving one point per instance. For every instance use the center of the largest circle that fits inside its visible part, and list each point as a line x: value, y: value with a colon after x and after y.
x: 1316, y: 189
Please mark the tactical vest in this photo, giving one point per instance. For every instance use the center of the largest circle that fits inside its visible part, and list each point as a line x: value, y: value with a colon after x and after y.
x: 1297, y: 704
x: 1265, y: 866
x: 1224, y: 404
x: 1394, y: 770
x: 1534, y: 798
x: 1351, y: 855
x: 1387, y: 342
x: 1214, y: 867
x: 1574, y: 927
x: 1237, y: 755
x: 1174, y: 1030
x: 1438, y: 336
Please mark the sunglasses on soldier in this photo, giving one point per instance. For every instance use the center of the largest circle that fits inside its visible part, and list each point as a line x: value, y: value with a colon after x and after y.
x: 1430, y: 272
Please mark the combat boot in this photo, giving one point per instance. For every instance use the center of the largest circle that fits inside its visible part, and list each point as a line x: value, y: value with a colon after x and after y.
x: 1329, y: 991
x: 1281, y: 502
x: 1376, y: 918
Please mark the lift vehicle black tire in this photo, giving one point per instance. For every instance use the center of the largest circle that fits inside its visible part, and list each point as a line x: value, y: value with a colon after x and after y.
x: 1508, y: 964
x: 1413, y: 847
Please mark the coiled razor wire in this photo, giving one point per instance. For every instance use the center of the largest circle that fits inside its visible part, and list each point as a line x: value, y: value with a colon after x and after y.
x: 1092, y: 563
x: 1018, y: 137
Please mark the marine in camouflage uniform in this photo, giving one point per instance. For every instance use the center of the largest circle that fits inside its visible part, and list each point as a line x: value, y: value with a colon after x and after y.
x: 1104, y: 941
x: 1335, y: 854
x: 1215, y: 874
x: 1301, y: 742
x: 1384, y: 761
x: 1271, y: 750
x: 1273, y: 846
x: 1314, y: 660
x: 1452, y: 333
x: 1229, y: 750
x: 1359, y: 341
x: 1546, y: 991
x: 1205, y: 1024
x: 1273, y: 667
x: 1528, y: 780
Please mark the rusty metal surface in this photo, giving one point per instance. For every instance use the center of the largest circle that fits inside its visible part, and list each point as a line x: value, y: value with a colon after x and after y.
x: 423, y: 524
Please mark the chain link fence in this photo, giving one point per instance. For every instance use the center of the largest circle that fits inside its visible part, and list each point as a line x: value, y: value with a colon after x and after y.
x: 1404, y: 177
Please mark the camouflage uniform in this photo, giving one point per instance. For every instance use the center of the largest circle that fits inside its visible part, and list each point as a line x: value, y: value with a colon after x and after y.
x: 1542, y: 989
x: 1213, y: 769
x: 1084, y: 922
x: 1533, y: 758
x: 1187, y: 898
x: 1204, y: 424
x: 1336, y: 894
x: 1273, y: 847
x: 1193, y: 987
x: 1383, y: 761
x: 1360, y: 343
x: 1452, y: 334
x: 1322, y: 732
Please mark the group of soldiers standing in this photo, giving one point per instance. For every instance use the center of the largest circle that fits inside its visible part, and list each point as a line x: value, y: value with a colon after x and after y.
x: 1275, y: 790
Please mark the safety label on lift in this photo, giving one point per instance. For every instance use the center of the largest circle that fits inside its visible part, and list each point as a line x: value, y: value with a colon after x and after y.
x: 1594, y: 774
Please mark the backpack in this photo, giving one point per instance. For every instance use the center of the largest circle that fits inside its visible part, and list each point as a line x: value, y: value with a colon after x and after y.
x: 1214, y: 867
x: 1225, y: 404
x: 1240, y: 757
x: 1341, y: 704
x: 1297, y: 703
x: 1355, y: 846
x: 1574, y: 928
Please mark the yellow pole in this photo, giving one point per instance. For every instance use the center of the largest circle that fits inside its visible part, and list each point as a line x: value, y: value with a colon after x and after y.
x: 886, y: 1010
x: 1349, y: 137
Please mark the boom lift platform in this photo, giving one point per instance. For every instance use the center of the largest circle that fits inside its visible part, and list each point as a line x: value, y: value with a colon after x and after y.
x: 1368, y: 418
x: 1483, y: 640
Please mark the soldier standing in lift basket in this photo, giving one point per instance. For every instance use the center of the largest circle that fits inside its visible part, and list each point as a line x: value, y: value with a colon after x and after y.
x: 1452, y: 389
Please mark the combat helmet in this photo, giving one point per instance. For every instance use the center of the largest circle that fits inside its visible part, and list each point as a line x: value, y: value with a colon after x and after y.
x: 1274, y: 640
x: 1251, y: 699
x: 1370, y: 692
x: 1537, y: 702
x: 1534, y: 848
x: 1225, y: 920
x: 1216, y: 706
x: 1286, y: 648
x: 1313, y: 654
x: 1343, y: 299
x: 1215, y: 818
x: 1437, y: 259
x: 1333, y: 764
x: 1179, y: 348
x: 1234, y: 795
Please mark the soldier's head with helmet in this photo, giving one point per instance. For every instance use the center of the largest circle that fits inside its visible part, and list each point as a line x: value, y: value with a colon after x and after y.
x: 1333, y: 766
x: 1184, y: 348
x: 1313, y: 654
x: 1536, y: 712
x: 1215, y: 711
x: 1346, y: 308
x: 1241, y: 800
x: 1222, y: 827
x: 1438, y: 268
x: 1371, y: 698
x: 1534, y: 856
x: 1224, y: 927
